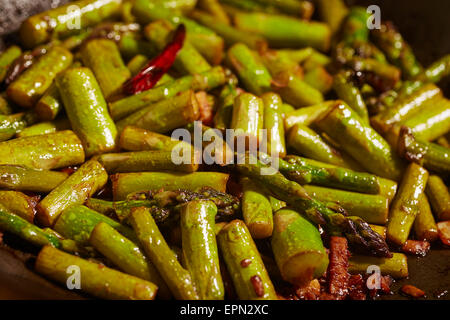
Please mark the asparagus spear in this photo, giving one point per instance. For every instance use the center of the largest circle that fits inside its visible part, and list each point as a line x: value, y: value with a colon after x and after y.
x: 126, y: 255
x: 41, y: 27
x: 31, y: 85
x: 215, y: 9
x: 128, y: 183
x: 159, y: 116
x: 250, y: 69
x: 49, y: 151
x: 44, y: 128
x: 201, y: 81
x: 145, y: 161
x: 371, y: 208
x: 351, y: 95
x: 306, y: 171
x: 439, y: 197
x: 87, y: 110
x: 355, y: 229
x: 19, y: 203
x: 430, y: 155
x: 310, y: 144
x: 347, y: 128
x: 137, y: 139
x: 397, y: 50
x: 256, y: 210
x: 200, y: 251
x: 405, y: 207
x: 102, y: 56
x: 176, y: 277
x: 298, y: 248
x: 283, y: 31
x: 13, y: 124
x: 274, y: 124
x: 7, y: 57
x: 397, y: 266
x: 49, y: 105
x: 248, y: 116
x: 25, y: 179
x: 224, y: 113
x: 14, y: 224
x: 306, y: 116
x: 96, y: 279
x: 406, y: 107
x: 76, y: 189
x: 425, y: 227
x: 77, y: 223
x: 250, y: 278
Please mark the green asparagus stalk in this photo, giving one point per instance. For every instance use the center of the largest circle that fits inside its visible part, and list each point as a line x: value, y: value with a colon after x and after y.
x: 59, y: 22
x: 200, y: 251
x: 144, y: 161
x: 250, y: 69
x: 159, y: 116
x: 230, y: 34
x: 306, y: 171
x: 96, y: 279
x: 344, y: 126
x: 436, y: 71
x: 44, y: 128
x: 24, y: 179
x: 354, y: 28
x: 7, y: 57
x: 201, y: 81
x: 310, y: 144
x: 32, y: 84
x: 87, y: 110
x: 126, y: 255
x: 215, y: 9
x: 77, y: 223
x: 284, y: 31
x: 137, y: 139
x: 248, y: 116
x: 298, y: 248
x: 425, y: 227
x: 224, y: 113
x: 274, y: 124
x: 49, y: 105
x: 9, y: 222
x: 102, y: 56
x: 439, y: 197
x: 19, y: 203
x: 430, y: 155
x: 306, y: 116
x: 349, y: 93
x: 319, y: 78
x: 49, y: 151
x: 405, y: 207
x: 256, y: 210
x: 333, y: 12
x: 250, y: 278
x: 396, y: 267
x: 372, y: 208
x: 176, y: 277
x: 295, y: 91
x: 124, y: 184
x: 76, y: 189
x: 355, y: 229
x: 397, y: 50
x: 13, y: 124
x: 406, y: 107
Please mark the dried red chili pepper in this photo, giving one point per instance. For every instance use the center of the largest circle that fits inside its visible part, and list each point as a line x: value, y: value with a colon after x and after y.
x: 158, y: 66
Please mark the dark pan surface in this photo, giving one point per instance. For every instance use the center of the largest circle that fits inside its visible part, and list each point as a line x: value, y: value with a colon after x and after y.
x: 425, y: 25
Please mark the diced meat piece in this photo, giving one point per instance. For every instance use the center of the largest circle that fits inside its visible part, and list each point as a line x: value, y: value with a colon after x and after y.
x: 310, y: 292
x: 357, y: 288
x: 444, y: 232
x: 418, y: 248
x: 412, y: 291
x: 338, y: 268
